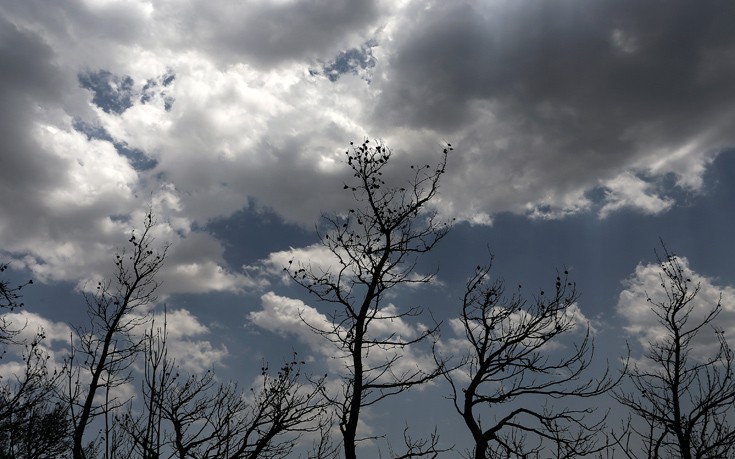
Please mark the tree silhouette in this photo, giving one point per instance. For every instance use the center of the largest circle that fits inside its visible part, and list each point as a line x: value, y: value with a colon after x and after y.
x: 36, y: 427
x: 685, y: 399
x: 513, y: 373
x: 105, y: 350
x: 376, y: 245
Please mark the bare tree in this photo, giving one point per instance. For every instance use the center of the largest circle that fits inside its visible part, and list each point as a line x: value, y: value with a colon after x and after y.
x: 37, y: 428
x: 685, y: 399
x: 33, y: 422
x: 376, y: 245
x: 105, y: 350
x: 197, y: 417
x: 514, y: 373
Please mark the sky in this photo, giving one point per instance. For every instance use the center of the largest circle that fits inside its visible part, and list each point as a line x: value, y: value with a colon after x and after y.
x: 583, y: 133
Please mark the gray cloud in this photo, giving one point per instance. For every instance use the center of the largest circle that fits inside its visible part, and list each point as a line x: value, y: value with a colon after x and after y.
x: 267, y: 33
x: 255, y: 32
x: 66, y: 186
x: 565, y: 55
x: 564, y: 95
x: 30, y: 89
x: 545, y: 103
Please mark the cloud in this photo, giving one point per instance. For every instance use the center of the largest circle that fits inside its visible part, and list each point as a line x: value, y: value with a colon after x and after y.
x: 642, y: 324
x: 194, y: 263
x: 72, y: 182
x: 198, y: 266
x: 289, y: 317
x: 30, y: 327
x: 458, y: 346
x: 320, y: 260
x: 66, y: 190
x: 30, y: 324
x: 630, y: 191
x: 317, y: 256
x: 269, y: 32
x: 547, y: 101
x: 184, y: 331
x: 186, y: 344
x: 188, y: 341
x: 204, y: 107
x: 50, y: 175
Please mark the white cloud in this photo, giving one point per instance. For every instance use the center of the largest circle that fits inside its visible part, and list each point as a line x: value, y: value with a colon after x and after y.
x: 197, y: 355
x: 289, y: 317
x: 30, y: 323
x: 317, y: 256
x: 185, y: 341
x: 629, y: 191
x: 180, y: 323
x: 204, y: 277
x: 94, y: 171
x: 388, y: 322
x: 319, y: 259
x: 687, y: 162
x: 458, y: 345
x: 56, y: 338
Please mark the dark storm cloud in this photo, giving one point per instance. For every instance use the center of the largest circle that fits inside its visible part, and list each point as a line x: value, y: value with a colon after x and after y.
x: 28, y: 80
x: 564, y: 95
x: 609, y: 63
x: 268, y: 33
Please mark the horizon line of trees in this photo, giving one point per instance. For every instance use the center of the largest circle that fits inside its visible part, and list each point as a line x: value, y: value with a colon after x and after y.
x: 519, y: 386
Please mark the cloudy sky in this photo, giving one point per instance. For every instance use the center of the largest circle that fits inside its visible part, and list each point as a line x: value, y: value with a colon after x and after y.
x: 583, y: 132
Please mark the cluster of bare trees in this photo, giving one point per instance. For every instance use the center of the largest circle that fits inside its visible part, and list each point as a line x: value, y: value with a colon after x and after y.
x: 520, y: 377
x: 195, y: 416
x: 75, y: 411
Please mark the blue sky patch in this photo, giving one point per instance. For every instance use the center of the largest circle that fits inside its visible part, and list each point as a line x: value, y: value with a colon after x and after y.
x: 111, y: 93
x: 351, y: 61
